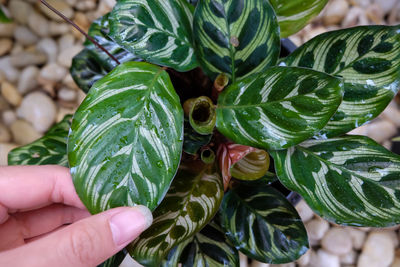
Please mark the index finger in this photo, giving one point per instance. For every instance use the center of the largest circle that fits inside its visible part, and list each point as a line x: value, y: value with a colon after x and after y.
x: 29, y: 187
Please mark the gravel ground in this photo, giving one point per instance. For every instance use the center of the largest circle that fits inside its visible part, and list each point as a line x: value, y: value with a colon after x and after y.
x: 36, y: 91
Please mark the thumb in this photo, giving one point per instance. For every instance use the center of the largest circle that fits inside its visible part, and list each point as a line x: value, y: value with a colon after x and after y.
x: 88, y: 242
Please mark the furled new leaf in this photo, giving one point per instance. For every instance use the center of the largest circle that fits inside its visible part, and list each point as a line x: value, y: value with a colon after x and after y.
x: 92, y: 64
x: 50, y: 149
x: 126, y: 138
x: 279, y: 108
x: 159, y: 31
x: 262, y: 224
x: 368, y: 60
x: 293, y: 15
x: 235, y: 37
x: 193, y: 199
x: 350, y: 180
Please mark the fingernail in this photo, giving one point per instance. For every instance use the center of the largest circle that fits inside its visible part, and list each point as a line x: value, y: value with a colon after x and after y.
x: 127, y: 225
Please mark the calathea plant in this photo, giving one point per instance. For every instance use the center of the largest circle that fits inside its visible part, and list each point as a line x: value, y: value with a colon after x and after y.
x: 195, y: 94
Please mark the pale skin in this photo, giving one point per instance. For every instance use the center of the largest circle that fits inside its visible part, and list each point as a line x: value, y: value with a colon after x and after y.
x: 44, y: 223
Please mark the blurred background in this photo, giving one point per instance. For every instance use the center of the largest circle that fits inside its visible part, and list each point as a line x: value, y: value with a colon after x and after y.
x: 36, y: 51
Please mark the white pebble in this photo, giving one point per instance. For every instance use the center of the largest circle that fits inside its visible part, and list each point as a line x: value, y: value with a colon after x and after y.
x: 28, y: 79
x: 11, y: 74
x: 348, y: 258
x: 4, y: 150
x: 65, y: 42
x: 355, y: 16
x: 255, y: 263
x: 57, y: 28
x: 324, y: 259
x: 39, y: 109
x: 61, y: 6
x: 8, y: 117
x: 378, y: 250
x: 11, y: 94
x: 337, y: 241
x: 5, y: 46
x: 7, y: 29
x: 38, y: 24
x: 357, y: 237
x: 304, y: 211
x: 49, y: 47
x: 316, y: 228
x: 386, y: 5
x: 20, y: 11
x: 5, y: 135
x: 65, y: 57
x: 67, y: 94
x: 23, y: 132
x: 291, y: 264
x: 25, y: 36
x: 305, y: 259
x: 53, y: 72
x: 335, y: 11
x: 27, y: 58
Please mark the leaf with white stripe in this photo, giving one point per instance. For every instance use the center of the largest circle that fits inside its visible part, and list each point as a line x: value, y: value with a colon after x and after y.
x: 368, y: 60
x: 92, y: 64
x: 126, y: 138
x: 350, y: 180
x: 191, y: 202
x: 293, y: 15
x: 262, y: 224
x: 235, y: 37
x: 50, y: 149
x: 159, y: 31
x: 279, y: 108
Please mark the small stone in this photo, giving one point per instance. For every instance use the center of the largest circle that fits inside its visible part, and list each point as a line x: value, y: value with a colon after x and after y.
x: 337, y: 241
x: 386, y: 5
x: 313, y: 32
x: 67, y: 94
x: 381, y: 130
x: 65, y: 42
x: 335, y: 11
x: 305, y: 259
x: 361, y: 3
x: 38, y: 24
x: 356, y: 16
x: 56, y: 28
x: 378, y: 250
x: 11, y: 74
x: 49, y: 47
x: 27, y: 80
x: 82, y: 20
x: 349, y: 258
x: 324, y: 259
x: 11, y: 94
x: 27, y: 58
x: 375, y: 13
x: 69, y: 81
x: 23, y: 132
x: 65, y: 57
x: 61, y: 6
x: 39, y: 109
x: 3, y: 104
x: 304, y: 211
x: 8, y: 117
x: 357, y: 237
x: 316, y: 228
x: 5, y: 46
x: 24, y: 36
x: 291, y: 264
x: 259, y: 264
x: 7, y: 29
x: 20, y: 11
x: 5, y: 135
x: 53, y: 72
x: 85, y: 5
x: 4, y: 150
x: 62, y: 112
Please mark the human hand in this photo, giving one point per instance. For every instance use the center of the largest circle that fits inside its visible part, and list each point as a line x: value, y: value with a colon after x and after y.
x: 35, y: 204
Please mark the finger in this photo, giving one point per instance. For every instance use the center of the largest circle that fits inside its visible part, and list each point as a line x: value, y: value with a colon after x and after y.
x: 44, y: 235
x: 86, y: 243
x: 38, y: 222
x: 30, y: 187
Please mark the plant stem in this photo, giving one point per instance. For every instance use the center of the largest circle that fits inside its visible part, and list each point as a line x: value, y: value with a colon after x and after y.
x: 80, y: 30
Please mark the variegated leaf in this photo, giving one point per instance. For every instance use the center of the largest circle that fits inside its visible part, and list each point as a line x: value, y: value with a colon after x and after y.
x: 50, y: 149
x: 235, y: 37
x: 126, y: 138
x: 293, y: 15
x: 262, y: 224
x: 92, y: 64
x: 115, y: 260
x: 193, y: 141
x: 368, y: 60
x: 3, y: 17
x: 159, y: 31
x: 193, y: 199
x: 350, y: 180
x: 279, y: 108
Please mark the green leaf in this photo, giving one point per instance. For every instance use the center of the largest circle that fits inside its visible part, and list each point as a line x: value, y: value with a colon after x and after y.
x: 368, y: 60
x: 193, y: 199
x: 115, y: 260
x: 293, y: 15
x: 126, y: 138
x: 3, y: 17
x: 193, y: 141
x: 92, y: 64
x: 262, y: 224
x: 350, y: 180
x: 159, y: 31
x: 202, y: 115
x: 50, y: 149
x: 210, y: 248
x: 279, y: 108
x: 235, y: 37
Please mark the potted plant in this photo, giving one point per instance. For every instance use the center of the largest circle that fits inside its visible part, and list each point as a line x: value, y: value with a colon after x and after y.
x: 185, y: 95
